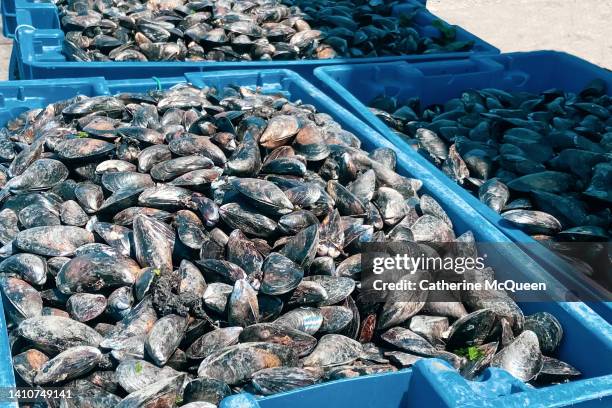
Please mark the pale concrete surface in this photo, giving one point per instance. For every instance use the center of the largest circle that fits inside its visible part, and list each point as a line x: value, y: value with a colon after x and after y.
x: 579, y: 27
x: 5, y: 55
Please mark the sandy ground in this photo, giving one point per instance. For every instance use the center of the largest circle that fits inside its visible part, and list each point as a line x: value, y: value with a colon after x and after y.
x: 5, y: 55
x: 580, y: 27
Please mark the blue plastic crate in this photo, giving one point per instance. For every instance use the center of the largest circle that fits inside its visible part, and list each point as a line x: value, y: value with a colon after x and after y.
x: 9, y: 13
x: 38, y: 50
x: 355, y: 86
x: 432, y: 383
x: 588, y: 338
x: 9, y: 19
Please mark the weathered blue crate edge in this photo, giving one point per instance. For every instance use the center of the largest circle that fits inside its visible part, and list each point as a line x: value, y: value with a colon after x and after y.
x: 586, y: 333
x: 38, y: 51
x: 351, y: 85
x: 432, y: 383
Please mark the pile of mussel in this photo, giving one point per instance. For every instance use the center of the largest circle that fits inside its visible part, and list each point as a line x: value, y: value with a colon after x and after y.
x: 182, y: 245
x: 543, y: 161
x: 260, y: 30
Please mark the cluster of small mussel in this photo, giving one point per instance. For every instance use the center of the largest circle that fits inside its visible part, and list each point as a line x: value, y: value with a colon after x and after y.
x: 226, y: 30
x: 182, y: 245
x: 544, y: 161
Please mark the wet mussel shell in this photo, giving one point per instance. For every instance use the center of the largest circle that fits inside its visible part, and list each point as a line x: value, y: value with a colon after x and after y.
x: 236, y: 363
x: 276, y: 333
x: 548, y: 330
x: 213, y: 341
x: 522, y: 358
x: 281, y: 379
